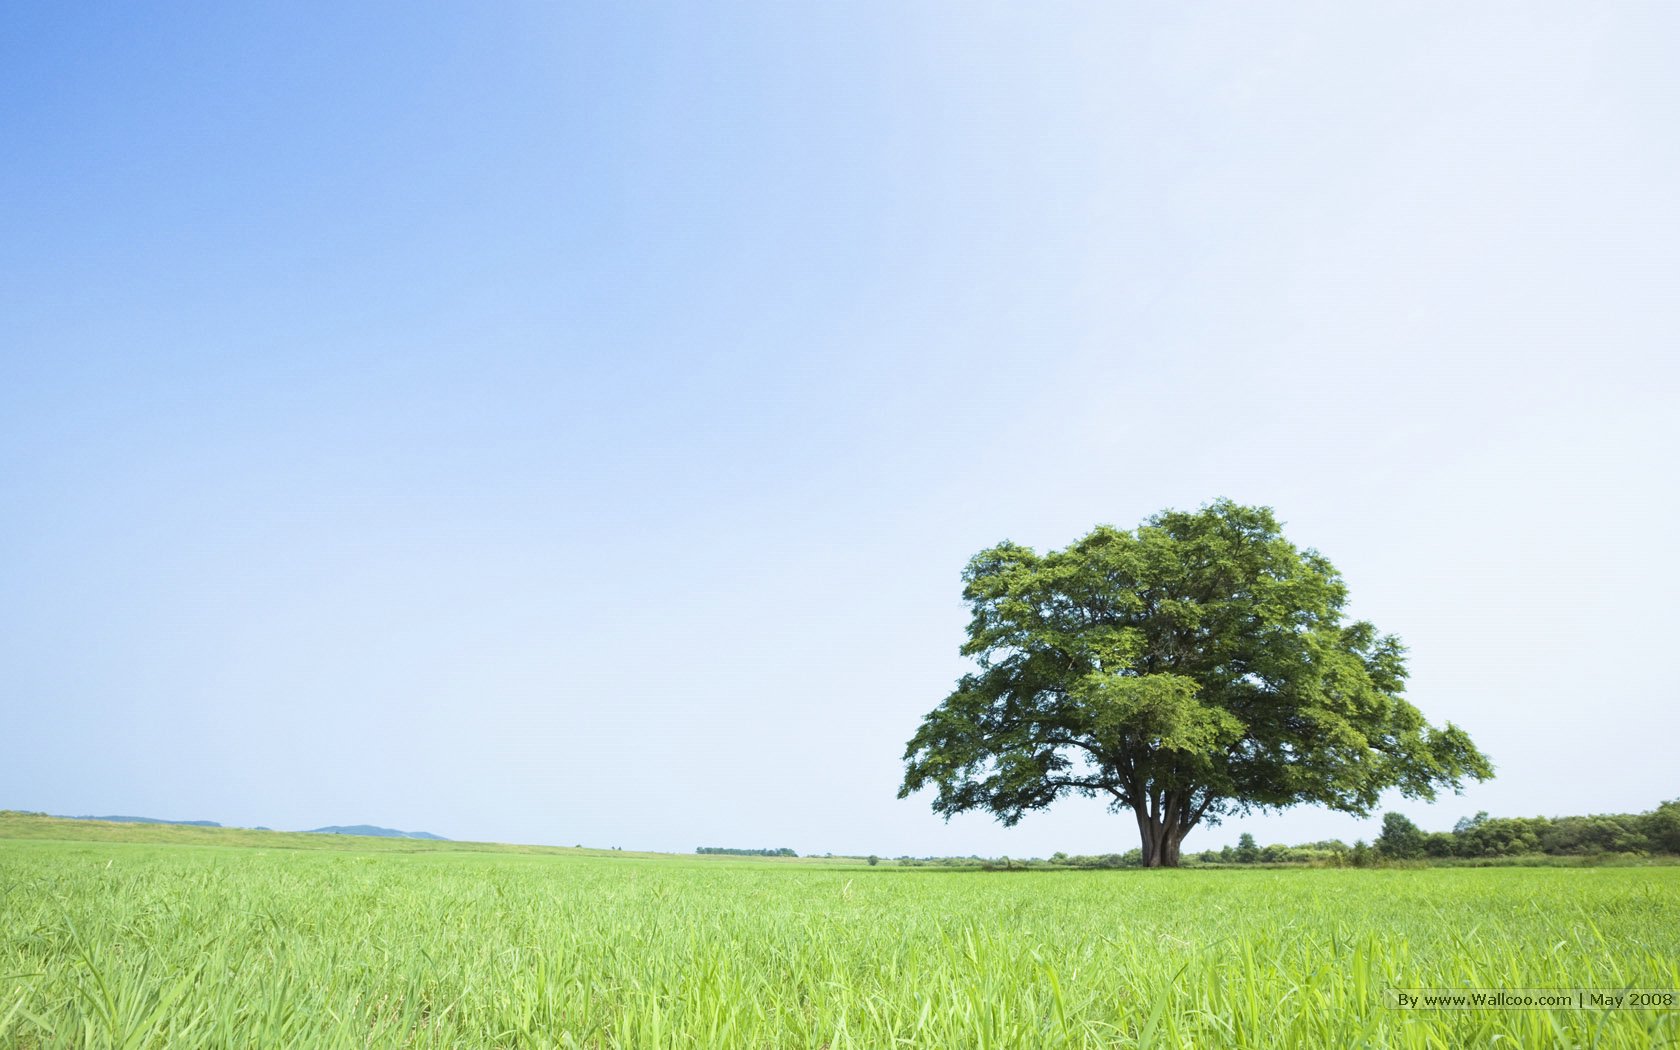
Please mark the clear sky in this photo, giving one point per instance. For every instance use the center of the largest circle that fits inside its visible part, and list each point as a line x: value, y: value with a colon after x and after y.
x: 568, y: 423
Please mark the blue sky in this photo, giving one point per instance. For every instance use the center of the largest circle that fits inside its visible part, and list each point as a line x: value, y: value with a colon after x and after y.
x: 568, y: 423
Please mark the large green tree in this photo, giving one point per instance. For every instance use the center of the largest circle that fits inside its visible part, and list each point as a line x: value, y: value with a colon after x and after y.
x: 1197, y: 666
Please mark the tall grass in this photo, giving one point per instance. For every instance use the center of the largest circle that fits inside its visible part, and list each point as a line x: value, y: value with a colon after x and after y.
x: 127, y: 944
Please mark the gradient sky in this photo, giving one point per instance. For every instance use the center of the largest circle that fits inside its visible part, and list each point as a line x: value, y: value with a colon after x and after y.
x: 568, y: 423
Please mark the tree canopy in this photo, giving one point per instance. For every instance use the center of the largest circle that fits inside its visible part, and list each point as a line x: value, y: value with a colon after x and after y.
x: 1197, y: 666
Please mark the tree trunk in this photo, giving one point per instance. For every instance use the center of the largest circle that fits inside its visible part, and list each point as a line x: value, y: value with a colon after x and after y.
x: 1161, y: 833
x: 1169, y: 850
x: 1146, y: 831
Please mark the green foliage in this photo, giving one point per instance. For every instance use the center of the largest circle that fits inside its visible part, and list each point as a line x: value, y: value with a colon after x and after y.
x: 1329, y: 854
x: 1618, y: 837
x: 1129, y: 859
x: 730, y: 852
x: 1197, y: 666
x: 1481, y: 836
x: 125, y: 944
x: 1662, y: 827
x: 1400, y: 838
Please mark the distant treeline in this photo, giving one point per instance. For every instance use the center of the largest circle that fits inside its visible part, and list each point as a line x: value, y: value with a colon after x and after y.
x: 1482, y: 838
x: 1632, y: 834
x: 783, y: 852
x: 1473, y: 840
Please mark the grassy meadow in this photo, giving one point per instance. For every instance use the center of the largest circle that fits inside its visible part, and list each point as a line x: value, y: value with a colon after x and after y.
x: 138, y: 936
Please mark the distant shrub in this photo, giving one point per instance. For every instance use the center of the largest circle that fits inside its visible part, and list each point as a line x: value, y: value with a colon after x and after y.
x: 730, y: 852
x: 1247, y: 851
x: 1400, y: 838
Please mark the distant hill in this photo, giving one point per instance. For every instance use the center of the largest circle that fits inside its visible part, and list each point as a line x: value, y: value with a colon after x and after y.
x: 369, y: 829
x: 15, y: 824
x: 154, y: 820
x: 335, y: 829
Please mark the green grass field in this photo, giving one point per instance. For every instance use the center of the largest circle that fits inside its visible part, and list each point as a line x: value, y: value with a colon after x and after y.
x: 143, y: 937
